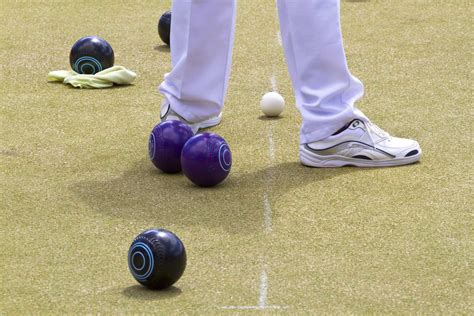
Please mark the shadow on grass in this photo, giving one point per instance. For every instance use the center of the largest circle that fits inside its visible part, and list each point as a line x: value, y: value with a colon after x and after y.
x: 70, y: 87
x: 146, y: 194
x: 162, y: 48
x: 142, y: 293
x: 266, y: 118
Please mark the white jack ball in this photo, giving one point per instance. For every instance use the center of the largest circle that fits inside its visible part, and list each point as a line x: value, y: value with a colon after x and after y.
x: 272, y: 104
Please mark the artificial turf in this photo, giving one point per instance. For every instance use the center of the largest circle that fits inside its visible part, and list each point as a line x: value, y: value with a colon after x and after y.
x: 76, y: 184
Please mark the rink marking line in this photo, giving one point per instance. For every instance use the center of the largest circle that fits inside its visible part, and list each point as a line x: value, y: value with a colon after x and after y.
x: 274, y: 83
x: 267, y: 219
x: 255, y: 307
x: 267, y: 208
x: 267, y: 214
x: 262, y: 300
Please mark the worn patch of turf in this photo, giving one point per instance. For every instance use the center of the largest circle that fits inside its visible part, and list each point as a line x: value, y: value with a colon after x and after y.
x: 76, y: 185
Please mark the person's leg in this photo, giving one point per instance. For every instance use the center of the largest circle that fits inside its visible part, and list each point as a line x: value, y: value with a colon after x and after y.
x: 334, y: 133
x: 324, y: 88
x: 202, y: 35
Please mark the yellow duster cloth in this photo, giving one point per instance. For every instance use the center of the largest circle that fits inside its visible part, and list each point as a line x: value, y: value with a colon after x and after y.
x: 105, y: 79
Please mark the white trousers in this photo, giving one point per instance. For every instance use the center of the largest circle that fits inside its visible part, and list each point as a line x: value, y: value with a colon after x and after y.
x: 202, y: 35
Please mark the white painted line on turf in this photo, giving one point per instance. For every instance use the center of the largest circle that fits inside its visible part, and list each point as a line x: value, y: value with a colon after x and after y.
x: 267, y: 214
x: 273, y: 81
x: 267, y: 208
x: 263, y: 297
x: 262, y: 300
x: 278, y: 22
x: 271, y: 147
x: 254, y: 307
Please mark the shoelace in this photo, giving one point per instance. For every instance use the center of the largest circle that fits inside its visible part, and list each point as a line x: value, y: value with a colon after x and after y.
x: 374, y: 129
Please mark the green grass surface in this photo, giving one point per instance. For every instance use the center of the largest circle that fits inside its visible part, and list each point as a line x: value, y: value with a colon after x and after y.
x: 77, y: 185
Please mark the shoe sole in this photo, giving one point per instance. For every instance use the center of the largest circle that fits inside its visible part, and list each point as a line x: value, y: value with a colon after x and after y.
x: 210, y: 122
x: 311, y: 159
x: 213, y: 121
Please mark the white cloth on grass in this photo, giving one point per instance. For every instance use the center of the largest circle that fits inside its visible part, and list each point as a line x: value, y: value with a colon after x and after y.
x: 202, y: 35
x: 105, y: 79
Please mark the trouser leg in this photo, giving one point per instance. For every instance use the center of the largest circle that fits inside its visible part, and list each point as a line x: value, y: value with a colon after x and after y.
x: 202, y: 35
x: 324, y: 88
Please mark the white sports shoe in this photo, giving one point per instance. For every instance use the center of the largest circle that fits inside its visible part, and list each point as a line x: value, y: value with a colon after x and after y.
x: 360, y: 144
x: 167, y: 114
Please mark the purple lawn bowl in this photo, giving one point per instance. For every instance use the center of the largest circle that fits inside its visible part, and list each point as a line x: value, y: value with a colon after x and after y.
x: 206, y: 159
x: 165, y: 144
